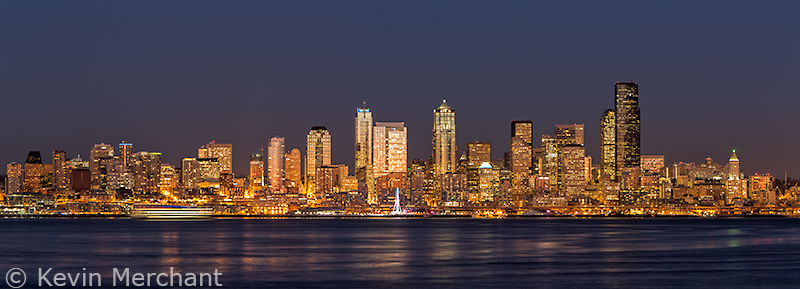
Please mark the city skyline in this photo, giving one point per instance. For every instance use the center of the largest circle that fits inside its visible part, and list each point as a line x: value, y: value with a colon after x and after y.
x: 711, y: 80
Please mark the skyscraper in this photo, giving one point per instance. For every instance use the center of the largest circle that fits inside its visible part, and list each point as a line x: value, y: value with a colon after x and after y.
x: 318, y: 153
x: 276, y: 157
x: 570, y: 158
x: 293, y: 170
x: 522, y: 129
x: 445, y: 150
x: 735, y: 186
x: 223, y: 152
x: 478, y: 152
x: 99, y: 152
x: 125, y: 152
x: 364, y: 164
x: 190, y: 173
x: 627, y: 127
x: 147, y: 171
x: 13, y: 178
x: 34, y: 171
x: 256, y: 178
x: 608, y: 147
x: 390, y: 152
x: 60, y: 170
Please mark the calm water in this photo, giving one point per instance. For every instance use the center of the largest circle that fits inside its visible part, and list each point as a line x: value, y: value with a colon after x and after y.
x: 419, y: 253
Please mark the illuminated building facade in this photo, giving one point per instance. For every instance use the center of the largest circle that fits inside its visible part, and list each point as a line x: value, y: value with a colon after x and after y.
x: 34, y: 173
x: 363, y: 151
x: 190, y: 173
x: 293, y: 171
x: 652, y: 163
x: 627, y: 127
x: 61, y: 171
x: 478, y: 152
x: 759, y: 183
x: 209, y: 169
x: 608, y: 147
x: 522, y: 129
x: 569, y: 135
x: 390, y: 151
x: 223, y: 152
x: 520, y: 165
x: 256, y: 177
x: 125, y: 152
x: 169, y: 179
x: 318, y: 154
x: 735, y: 186
x: 573, y: 163
x: 550, y: 164
x: 13, y: 178
x: 99, y: 152
x: 276, y: 158
x: 445, y: 149
x: 147, y: 172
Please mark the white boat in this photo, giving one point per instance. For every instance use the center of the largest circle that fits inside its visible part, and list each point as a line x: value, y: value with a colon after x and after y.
x: 171, y: 212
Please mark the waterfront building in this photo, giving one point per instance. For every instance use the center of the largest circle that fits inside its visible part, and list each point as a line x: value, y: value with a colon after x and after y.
x: 169, y: 179
x: 608, y: 147
x: 390, y: 151
x: 445, y: 149
x: 276, y: 160
x: 628, y: 128
x: 318, y: 154
x: 759, y: 183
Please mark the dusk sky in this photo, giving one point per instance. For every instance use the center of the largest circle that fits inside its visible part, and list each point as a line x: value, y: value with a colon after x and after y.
x: 171, y: 76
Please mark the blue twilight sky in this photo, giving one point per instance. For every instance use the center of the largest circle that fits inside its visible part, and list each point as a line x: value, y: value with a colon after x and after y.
x: 170, y: 76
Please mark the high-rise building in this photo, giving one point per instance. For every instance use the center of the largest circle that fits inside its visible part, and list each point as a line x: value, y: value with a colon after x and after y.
x: 478, y: 152
x: 520, y: 165
x: 569, y: 135
x: 445, y: 150
x: 627, y: 127
x: 209, y: 169
x: 390, y: 151
x: 318, y: 153
x: 61, y: 170
x: 223, y: 152
x: 363, y: 155
x: 147, y: 171
x: 608, y: 147
x: 550, y: 163
x: 522, y: 129
x: 34, y: 172
x: 99, y: 152
x: 190, y: 173
x: 293, y: 171
x: 276, y: 153
x: 169, y: 179
x: 733, y: 167
x: 256, y: 179
x: 573, y: 172
x: 125, y: 153
x: 735, y: 186
x: 13, y: 178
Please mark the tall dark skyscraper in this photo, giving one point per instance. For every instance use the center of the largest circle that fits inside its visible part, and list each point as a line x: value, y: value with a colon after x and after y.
x: 628, y: 126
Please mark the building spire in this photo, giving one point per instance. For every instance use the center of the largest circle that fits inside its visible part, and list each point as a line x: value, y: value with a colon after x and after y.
x: 734, y: 158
